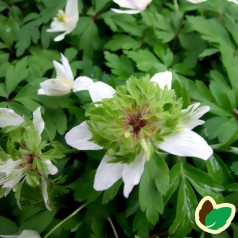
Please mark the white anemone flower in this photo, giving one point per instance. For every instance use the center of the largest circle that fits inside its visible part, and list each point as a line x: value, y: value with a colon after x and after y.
x: 64, y: 82
x: 24, y: 234
x: 196, y: 1
x: 182, y: 142
x: 9, y: 118
x: 134, y: 6
x: 65, y: 21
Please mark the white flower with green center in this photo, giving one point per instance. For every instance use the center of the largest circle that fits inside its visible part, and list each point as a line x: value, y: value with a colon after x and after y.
x: 134, y: 121
x: 65, y: 21
x: 134, y: 6
x: 28, y: 165
x: 64, y: 82
x: 9, y: 118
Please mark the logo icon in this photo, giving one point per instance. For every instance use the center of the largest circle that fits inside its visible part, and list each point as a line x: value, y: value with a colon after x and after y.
x: 214, y: 218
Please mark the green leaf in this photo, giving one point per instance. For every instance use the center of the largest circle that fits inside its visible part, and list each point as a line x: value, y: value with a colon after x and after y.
x: 39, y: 221
x: 120, y: 41
x: 174, y: 180
x: 186, y: 204
x: 203, y: 182
x: 211, y: 29
x: 145, y: 60
x: 151, y: 189
x: 8, y: 30
x: 217, y: 218
x: 208, y: 52
x: 16, y: 74
x: 141, y: 225
x: 33, y: 179
x: 7, y: 227
x: 110, y: 193
x: 89, y: 38
x: 125, y: 22
x: 121, y: 66
x: 29, y: 33
x: 218, y: 169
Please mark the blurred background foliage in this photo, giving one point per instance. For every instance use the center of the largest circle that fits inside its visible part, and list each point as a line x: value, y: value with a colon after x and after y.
x: 197, y: 42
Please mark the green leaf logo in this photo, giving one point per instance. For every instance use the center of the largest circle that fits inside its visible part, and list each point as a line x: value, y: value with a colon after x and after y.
x: 214, y: 218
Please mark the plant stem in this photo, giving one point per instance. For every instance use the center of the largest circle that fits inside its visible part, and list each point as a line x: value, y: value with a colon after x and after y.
x: 113, y: 228
x: 176, y: 6
x: 66, y: 219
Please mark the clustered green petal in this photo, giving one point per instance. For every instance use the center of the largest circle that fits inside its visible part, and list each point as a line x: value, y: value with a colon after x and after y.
x: 139, y: 112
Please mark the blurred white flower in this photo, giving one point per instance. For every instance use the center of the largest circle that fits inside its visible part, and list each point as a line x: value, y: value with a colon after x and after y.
x: 65, y: 21
x: 182, y: 141
x: 196, y: 1
x: 64, y: 82
x: 24, y: 234
x: 9, y: 118
x: 134, y: 6
x: 234, y: 1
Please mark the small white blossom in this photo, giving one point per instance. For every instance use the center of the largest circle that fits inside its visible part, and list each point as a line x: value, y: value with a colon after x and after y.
x: 9, y: 118
x: 64, y: 82
x: 134, y: 6
x: 66, y: 20
x: 182, y: 142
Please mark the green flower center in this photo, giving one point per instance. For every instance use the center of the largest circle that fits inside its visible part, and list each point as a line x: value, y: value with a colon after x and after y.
x: 61, y: 16
x: 139, y: 114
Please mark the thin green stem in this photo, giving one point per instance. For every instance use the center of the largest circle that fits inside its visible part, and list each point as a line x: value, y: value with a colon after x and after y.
x: 66, y: 219
x: 113, y: 228
x: 176, y: 6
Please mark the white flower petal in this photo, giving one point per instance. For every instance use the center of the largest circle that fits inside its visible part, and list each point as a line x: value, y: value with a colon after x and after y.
x: 67, y: 72
x: 49, y: 167
x: 107, y: 173
x: 29, y: 234
x: 12, y: 178
x: 192, y: 114
x: 78, y: 138
x: 9, y: 118
x: 63, y: 71
x: 60, y: 37
x: 100, y: 90
x: 56, y: 26
x: 132, y: 173
x: 38, y: 123
x: 82, y: 83
x: 196, y: 1
x: 126, y: 11
x: 45, y: 193
x: 54, y: 87
x: 234, y: 1
x: 163, y: 79
x: 125, y: 3
x: 8, y: 165
x: 71, y: 8
x: 133, y: 4
x: 186, y: 143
